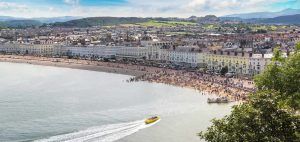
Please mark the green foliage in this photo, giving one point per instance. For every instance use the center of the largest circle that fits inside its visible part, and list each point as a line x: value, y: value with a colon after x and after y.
x: 100, y: 21
x: 271, y: 114
x: 261, y: 119
x: 297, y: 47
x: 110, y: 21
x: 210, y: 26
x: 155, y: 23
x: 283, y: 75
x: 288, y: 19
x: 224, y: 70
x: 19, y: 24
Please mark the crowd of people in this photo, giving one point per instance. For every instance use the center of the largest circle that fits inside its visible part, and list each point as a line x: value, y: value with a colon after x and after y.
x: 232, y: 88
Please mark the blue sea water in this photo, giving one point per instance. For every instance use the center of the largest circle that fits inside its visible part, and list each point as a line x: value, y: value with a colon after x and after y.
x: 39, y: 103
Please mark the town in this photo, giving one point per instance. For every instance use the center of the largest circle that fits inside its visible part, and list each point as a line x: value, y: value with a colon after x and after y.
x: 150, y: 71
x: 220, y: 49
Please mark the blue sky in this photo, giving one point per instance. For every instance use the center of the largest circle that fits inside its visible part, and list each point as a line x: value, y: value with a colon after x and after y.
x: 139, y: 8
x: 287, y: 4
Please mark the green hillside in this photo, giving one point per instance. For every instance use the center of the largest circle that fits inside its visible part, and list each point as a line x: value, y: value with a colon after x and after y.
x: 100, y: 21
x: 19, y: 24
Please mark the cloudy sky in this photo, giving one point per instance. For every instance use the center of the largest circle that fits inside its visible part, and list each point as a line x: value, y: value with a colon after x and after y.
x: 139, y: 8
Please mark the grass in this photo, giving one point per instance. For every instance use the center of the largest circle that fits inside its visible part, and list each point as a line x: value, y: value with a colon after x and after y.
x: 153, y: 23
x: 265, y: 27
x: 210, y: 26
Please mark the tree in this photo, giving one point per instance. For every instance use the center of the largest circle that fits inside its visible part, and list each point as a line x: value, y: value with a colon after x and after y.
x: 283, y: 75
x: 224, y: 70
x: 260, y: 119
x: 271, y: 113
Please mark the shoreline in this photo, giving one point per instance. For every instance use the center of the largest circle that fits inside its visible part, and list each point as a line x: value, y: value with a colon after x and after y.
x: 71, y: 63
x: 233, y: 89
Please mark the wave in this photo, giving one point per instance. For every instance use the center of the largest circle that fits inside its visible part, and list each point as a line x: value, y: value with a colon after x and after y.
x: 106, y: 133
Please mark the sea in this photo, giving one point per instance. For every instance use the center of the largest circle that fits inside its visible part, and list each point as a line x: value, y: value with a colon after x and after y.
x: 50, y: 104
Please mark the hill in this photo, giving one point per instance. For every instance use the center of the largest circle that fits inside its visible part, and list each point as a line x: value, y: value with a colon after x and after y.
x: 55, y: 19
x: 290, y: 19
x: 40, y: 19
x: 155, y: 23
x: 9, y: 18
x: 208, y: 19
x: 20, y: 23
x: 266, y: 14
x: 100, y: 21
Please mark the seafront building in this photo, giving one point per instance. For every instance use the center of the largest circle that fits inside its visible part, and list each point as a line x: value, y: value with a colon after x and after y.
x: 242, y: 63
x: 30, y: 49
x: 132, y: 52
x: 236, y: 62
x: 183, y: 54
x: 89, y: 51
x: 258, y: 63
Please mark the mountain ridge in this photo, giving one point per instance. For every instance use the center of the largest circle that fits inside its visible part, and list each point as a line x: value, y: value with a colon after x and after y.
x: 289, y: 19
x: 46, y: 20
x: 284, y: 12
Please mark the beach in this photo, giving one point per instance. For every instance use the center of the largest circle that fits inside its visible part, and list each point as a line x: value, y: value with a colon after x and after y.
x: 76, y: 64
x: 232, y: 88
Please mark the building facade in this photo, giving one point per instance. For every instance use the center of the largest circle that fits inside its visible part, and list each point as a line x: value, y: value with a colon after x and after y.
x: 236, y: 62
x: 241, y: 63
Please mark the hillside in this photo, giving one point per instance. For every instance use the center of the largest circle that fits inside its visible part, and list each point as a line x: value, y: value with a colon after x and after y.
x: 9, y: 18
x: 290, y: 19
x: 20, y: 23
x: 266, y: 14
x: 100, y: 21
x: 154, y: 23
x: 55, y: 19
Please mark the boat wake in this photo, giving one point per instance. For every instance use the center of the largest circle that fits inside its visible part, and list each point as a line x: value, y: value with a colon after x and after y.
x: 106, y: 133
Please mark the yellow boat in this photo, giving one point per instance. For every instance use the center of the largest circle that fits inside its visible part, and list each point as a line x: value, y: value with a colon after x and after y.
x: 151, y: 120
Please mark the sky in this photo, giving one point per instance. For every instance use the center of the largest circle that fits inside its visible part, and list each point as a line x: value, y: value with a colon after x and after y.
x: 139, y: 8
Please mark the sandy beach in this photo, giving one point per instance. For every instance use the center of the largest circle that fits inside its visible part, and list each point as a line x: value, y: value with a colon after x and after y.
x: 231, y: 88
x: 234, y: 89
x: 76, y: 64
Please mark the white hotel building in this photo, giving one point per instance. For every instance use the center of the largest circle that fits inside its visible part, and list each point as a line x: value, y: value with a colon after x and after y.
x: 31, y: 49
x: 89, y: 51
x: 258, y: 62
x: 187, y: 55
x: 133, y: 52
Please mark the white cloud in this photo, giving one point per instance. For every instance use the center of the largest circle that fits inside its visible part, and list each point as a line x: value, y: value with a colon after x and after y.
x: 71, y: 2
x: 10, y: 5
x: 12, y: 9
x: 142, y: 8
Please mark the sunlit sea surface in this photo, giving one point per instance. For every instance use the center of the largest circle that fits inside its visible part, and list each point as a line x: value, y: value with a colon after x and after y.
x: 48, y: 104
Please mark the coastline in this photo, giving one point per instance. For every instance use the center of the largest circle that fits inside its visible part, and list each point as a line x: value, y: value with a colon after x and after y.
x: 233, y: 89
x: 230, y: 88
x: 73, y: 64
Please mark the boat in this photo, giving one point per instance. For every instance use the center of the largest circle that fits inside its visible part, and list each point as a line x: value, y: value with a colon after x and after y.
x: 151, y: 120
x: 218, y: 100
